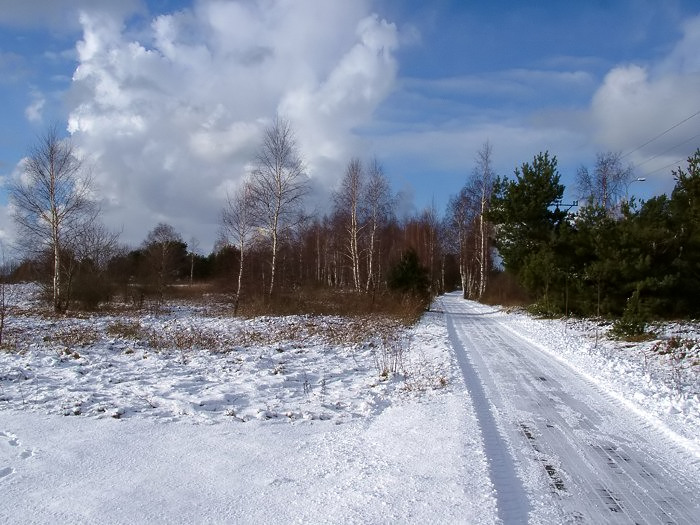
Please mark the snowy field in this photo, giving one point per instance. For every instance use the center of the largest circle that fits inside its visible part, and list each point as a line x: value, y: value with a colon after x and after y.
x: 189, y: 415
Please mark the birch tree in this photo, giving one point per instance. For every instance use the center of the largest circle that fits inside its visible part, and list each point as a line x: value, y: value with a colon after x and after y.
x: 347, y: 202
x: 165, y: 253
x: 238, y: 219
x: 377, y: 208
x: 192, y: 254
x: 608, y: 183
x: 279, y: 185
x: 460, y: 220
x: 52, y: 203
x: 482, y: 185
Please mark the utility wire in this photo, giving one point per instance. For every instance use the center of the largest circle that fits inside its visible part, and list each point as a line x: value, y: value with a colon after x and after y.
x: 666, y: 151
x: 661, y: 134
x: 673, y: 164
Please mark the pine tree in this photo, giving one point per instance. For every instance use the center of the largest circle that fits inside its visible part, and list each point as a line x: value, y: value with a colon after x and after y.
x: 526, y: 217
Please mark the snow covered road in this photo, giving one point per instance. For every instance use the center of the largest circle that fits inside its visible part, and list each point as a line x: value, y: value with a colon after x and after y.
x: 560, y: 447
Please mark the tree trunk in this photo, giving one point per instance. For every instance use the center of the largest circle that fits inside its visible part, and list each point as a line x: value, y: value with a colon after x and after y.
x: 57, y: 306
x: 273, y: 263
x: 370, y: 256
x: 240, y: 281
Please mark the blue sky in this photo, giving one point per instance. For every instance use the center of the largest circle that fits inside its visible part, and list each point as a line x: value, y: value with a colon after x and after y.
x: 167, y: 99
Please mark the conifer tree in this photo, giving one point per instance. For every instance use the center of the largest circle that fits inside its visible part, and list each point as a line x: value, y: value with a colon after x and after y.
x: 526, y: 216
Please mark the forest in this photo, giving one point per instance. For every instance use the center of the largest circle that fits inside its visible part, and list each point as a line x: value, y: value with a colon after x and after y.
x: 502, y: 239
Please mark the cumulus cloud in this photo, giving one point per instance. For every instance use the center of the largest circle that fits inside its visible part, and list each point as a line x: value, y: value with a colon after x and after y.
x: 33, y: 111
x: 174, y: 117
x: 638, y: 102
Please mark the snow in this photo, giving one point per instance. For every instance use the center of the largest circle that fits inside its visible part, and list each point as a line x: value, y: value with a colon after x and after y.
x: 651, y: 379
x: 189, y: 415
x: 186, y: 414
x: 580, y: 451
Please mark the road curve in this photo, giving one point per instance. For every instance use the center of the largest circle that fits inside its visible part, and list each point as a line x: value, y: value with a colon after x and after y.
x: 560, y: 448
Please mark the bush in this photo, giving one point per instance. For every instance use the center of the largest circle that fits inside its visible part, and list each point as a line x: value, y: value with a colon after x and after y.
x: 633, y: 322
x: 408, y: 276
x: 90, y: 290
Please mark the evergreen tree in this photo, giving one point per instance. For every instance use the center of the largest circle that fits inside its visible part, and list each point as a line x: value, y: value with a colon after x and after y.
x: 526, y: 217
x: 408, y: 276
x: 685, y: 225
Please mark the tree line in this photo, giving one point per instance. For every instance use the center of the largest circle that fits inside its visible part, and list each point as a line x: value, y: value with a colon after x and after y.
x: 613, y: 256
x: 269, y: 246
x: 604, y: 255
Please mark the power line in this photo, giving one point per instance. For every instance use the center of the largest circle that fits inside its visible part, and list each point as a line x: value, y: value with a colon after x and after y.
x: 666, y: 151
x: 661, y: 134
x: 674, y: 163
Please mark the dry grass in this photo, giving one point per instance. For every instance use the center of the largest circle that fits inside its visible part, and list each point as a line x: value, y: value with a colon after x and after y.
x: 347, y: 303
x: 74, y: 336
x: 126, y: 330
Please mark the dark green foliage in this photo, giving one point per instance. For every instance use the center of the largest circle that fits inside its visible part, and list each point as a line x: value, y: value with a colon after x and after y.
x: 527, y: 220
x: 633, y: 322
x: 640, y: 262
x: 408, y: 276
x: 685, y: 224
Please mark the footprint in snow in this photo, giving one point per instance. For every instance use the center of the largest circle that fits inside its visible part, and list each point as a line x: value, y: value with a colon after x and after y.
x: 27, y: 453
x: 6, y: 471
x: 10, y: 439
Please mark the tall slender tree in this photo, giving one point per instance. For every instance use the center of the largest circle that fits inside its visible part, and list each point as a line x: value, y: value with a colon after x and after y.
x: 52, y: 203
x: 460, y: 220
x: 482, y: 185
x: 377, y: 209
x: 279, y: 185
x: 347, y: 204
x: 238, y: 219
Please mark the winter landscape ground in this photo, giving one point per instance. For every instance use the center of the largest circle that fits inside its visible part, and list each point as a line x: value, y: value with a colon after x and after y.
x: 186, y: 414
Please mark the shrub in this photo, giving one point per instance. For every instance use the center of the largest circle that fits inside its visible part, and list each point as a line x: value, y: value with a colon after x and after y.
x: 408, y: 276
x: 633, y: 322
x: 126, y: 330
x: 91, y: 289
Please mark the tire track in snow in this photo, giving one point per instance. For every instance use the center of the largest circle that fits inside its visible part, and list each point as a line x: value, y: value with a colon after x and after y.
x: 601, y: 462
x: 512, y: 502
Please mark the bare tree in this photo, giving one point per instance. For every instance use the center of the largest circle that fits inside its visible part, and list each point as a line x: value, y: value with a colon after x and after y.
x: 193, y: 251
x: 430, y: 225
x: 460, y: 220
x: 482, y: 185
x: 163, y: 249
x: 347, y: 203
x: 4, y: 306
x: 279, y: 184
x: 377, y: 209
x: 94, y: 242
x: 87, y: 255
x: 238, y: 220
x: 52, y: 202
x: 608, y: 183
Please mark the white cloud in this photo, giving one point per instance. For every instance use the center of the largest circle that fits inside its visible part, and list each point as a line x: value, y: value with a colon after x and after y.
x: 637, y: 102
x: 33, y: 111
x: 326, y: 112
x: 172, y: 118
